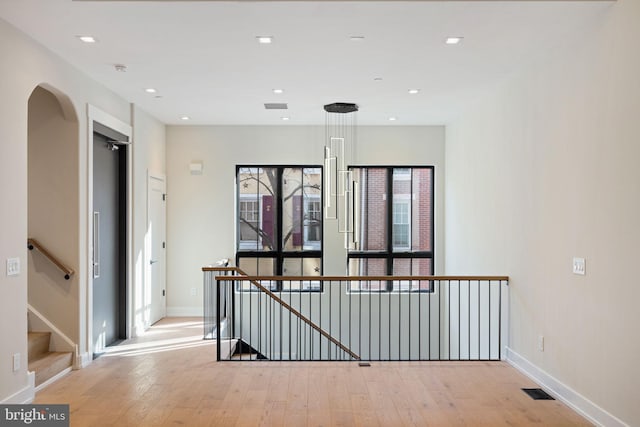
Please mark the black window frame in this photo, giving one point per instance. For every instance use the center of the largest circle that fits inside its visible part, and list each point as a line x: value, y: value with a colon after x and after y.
x: 389, y: 254
x: 279, y: 254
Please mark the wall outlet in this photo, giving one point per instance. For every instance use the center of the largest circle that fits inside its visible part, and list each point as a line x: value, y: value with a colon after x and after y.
x: 16, y: 362
x: 541, y: 342
x: 579, y: 266
x: 13, y: 266
x: 194, y: 292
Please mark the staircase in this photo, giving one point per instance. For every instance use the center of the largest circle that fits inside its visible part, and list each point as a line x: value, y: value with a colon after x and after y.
x: 46, y: 364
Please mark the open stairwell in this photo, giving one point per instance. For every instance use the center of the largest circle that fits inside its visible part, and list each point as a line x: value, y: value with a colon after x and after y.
x: 46, y: 364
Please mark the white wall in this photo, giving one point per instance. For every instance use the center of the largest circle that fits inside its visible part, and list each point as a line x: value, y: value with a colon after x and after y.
x: 544, y: 170
x: 201, y: 207
x: 31, y: 65
x: 148, y: 158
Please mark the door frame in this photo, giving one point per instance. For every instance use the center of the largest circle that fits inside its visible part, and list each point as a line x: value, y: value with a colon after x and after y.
x: 147, y: 258
x: 94, y: 114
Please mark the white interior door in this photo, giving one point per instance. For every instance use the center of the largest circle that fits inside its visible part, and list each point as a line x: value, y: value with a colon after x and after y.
x: 156, y: 249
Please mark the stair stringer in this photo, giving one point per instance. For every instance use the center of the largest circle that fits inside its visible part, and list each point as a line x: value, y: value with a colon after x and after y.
x: 59, y: 341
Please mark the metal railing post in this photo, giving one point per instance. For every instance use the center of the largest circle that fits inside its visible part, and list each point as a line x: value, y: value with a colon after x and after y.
x: 218, y: 332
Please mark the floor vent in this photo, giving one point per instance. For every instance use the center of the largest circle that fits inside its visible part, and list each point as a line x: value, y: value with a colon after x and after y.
x: 538, y: 394
x: 364, y: 364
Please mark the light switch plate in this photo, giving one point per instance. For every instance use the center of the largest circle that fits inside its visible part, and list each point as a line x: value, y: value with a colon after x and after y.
x: 579, y: 266
x: 13, y: 266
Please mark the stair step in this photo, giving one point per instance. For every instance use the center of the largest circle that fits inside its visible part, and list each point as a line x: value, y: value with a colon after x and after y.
x: 38, y: 344
x: 50, y: 365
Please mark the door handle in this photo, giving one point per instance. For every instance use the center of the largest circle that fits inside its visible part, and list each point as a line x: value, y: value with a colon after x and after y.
x: 96, y: 244
x: 153, y: 261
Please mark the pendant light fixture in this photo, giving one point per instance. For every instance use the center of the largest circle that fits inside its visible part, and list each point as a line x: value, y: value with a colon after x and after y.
x: 341, y: 192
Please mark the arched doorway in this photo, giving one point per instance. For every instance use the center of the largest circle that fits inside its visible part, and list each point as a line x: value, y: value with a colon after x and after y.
x: 53, y: 216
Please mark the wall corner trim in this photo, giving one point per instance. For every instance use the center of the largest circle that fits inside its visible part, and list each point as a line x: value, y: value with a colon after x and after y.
x: 83, y: 360
x: 562, y: 392
x: 26, y: 395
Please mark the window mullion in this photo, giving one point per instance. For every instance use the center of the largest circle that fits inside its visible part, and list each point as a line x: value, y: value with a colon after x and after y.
x: 389, y: 233
x: 279, y: 222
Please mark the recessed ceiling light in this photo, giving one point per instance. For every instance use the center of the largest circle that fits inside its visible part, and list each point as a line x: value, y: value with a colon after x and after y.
x: 414, y: 91
x: 393, y: 119
x: 356, y: 38
x: 377, y: 79
x: 453, y: 40
x: 286, y: 119
x: 121, y: 68
x: 150, y: 90
x: 278, y: 91
x: 87, y: 39
x: 185, y: 118
x: 264, y: 39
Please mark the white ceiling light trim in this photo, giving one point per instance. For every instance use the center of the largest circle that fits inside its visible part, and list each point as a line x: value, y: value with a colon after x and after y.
x: 265, y: 39
x: 87, y: 39
x: 453, y: 40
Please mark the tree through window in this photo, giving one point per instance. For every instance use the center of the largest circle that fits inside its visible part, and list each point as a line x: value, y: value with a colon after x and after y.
x: 279, y: 220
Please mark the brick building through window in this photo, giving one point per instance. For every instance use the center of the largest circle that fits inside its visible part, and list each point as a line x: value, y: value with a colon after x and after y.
x: 396, y: 227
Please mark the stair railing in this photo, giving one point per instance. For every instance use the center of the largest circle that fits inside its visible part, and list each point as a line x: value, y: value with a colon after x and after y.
x: 365, y: 318
x: 255, y: 282
x: 34, y: 244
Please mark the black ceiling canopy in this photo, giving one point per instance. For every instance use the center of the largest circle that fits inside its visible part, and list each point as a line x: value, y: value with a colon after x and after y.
x: 340, y: 107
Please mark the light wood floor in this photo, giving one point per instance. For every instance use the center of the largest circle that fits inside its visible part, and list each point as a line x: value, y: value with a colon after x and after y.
x: 170, y: 377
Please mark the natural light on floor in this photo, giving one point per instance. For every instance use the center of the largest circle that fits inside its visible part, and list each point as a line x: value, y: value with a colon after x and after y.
x: 140, y: 346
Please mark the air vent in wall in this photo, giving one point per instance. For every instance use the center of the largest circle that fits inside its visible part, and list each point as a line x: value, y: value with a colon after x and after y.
x: 275, y: 106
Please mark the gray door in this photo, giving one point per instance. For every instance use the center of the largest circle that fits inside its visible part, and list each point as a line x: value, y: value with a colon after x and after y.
x: 109, y: 207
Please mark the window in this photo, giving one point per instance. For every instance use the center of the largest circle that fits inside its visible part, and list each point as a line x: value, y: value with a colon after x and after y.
x: 401, y: 225
x: 279, y: 221
x: 249, y: 215
x: 312, y: 222
x: 396, y: 225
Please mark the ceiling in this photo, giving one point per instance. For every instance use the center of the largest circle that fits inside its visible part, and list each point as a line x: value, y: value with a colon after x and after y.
x: 204, y: 61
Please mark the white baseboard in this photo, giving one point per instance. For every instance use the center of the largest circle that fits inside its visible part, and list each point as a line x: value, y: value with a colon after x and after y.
x: 26, y: 395
x: 53, y: 379
x: 562, y: 392
x: 184, y: 311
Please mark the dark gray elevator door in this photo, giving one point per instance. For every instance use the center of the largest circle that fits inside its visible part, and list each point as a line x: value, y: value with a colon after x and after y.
x: 109, y: 207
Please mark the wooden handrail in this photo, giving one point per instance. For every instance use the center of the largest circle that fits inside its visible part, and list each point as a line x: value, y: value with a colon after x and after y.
x: 361, y: 278
x: 33, y: 243
x: 273, y: 296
